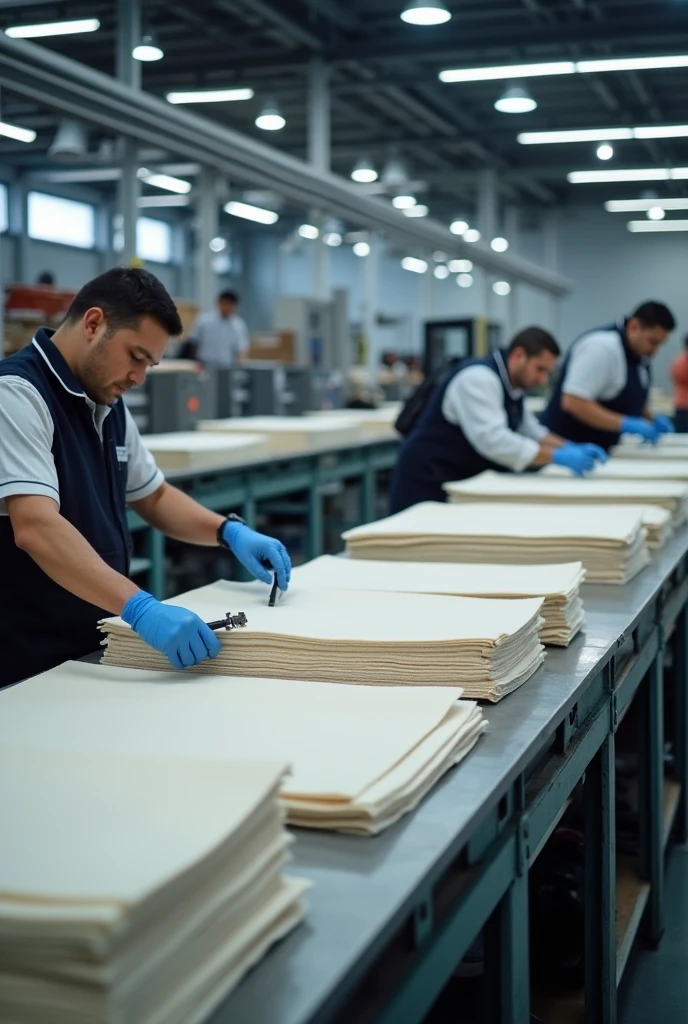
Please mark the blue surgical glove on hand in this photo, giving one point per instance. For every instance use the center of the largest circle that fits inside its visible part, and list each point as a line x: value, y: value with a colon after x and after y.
x: 663, y: 425
x: 642, y: 428
x: 598, y: 454
x: 177, y: 633
x: 252, y: 548
x: 575, y: 458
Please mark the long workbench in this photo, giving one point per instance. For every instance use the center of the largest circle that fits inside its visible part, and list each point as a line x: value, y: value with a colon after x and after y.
x: 243, y: 487
x: 390, y: 917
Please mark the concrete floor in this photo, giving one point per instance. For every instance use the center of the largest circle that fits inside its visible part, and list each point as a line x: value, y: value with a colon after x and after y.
x: 657, y: 991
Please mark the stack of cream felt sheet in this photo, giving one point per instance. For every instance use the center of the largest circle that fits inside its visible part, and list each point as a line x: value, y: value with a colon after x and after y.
x: 562, y: 609
x: 404, y: 738
x: 135, y: 888
x: 635, y: 447
x: 290, y: 433
x: 487, y: 647
x: 612, y: 484
x: 647, y: 469
x: 662, y: 507
x: 192, y: 449
x: 372, y: 422
x: 610, y: 541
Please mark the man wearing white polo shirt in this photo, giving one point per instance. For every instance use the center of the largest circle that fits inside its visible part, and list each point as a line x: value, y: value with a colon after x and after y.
x: 221, y: 338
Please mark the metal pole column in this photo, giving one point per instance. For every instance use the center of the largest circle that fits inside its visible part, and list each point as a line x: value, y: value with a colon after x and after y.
x: 129, y: 72
x: 370, y: 291
x: 319, y: 156
x: 515, y: 987
x: 206, y: 229
x: 488, y: 209
x: 680, y: 640
x: 651, y: 783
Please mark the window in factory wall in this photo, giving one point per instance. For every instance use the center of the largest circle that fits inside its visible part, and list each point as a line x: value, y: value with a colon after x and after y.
x: 54, y: 219
x: 154, y: 240
x: 4, y: 214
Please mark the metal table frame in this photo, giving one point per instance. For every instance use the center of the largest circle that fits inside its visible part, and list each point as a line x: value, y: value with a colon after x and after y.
x: 391, y: 917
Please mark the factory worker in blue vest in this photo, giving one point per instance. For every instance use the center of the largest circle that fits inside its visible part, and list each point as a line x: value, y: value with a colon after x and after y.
x: 476, y: 420
x: 603, y: 383
x: 71, y: 463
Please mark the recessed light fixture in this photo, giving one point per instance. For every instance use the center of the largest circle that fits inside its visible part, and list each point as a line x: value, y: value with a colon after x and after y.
x: 309, y: 231
x: 413, y: 264
x: 210, y: 96
x: 465, y: 280
x: 515, y: 100
x: 425, y: 12
x: 605, y: 151
x: 441, y: 272
x: 147, y: 50
x: 248, y: 212
x: 499, y: 244
x: 53, y: 28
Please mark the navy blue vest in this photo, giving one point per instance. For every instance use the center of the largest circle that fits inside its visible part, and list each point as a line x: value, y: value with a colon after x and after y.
x: 438, y: 451
x: 41, y: 624
x: 630, y: 401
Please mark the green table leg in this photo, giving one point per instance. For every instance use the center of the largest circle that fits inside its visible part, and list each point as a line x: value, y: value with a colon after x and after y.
x: 367, y: 510
x: 680, y: 641
x: 515, y: 955
x: 600, y: 887
x: 651, y: 782
x: 315, y: 542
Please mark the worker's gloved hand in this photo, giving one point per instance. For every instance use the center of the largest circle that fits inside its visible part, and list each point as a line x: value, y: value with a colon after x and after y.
x: 575, y: 458
x: 641, y: 428
x: 252, y: 548
x: 598, y: 454
x: 663, y: 425
x: 178, y: 633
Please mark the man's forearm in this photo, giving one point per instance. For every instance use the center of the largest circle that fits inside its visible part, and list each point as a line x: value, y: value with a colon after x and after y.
x: 544, y: 455
x: 591, y: 413
x: 179, y: 516
x: 552, y: 441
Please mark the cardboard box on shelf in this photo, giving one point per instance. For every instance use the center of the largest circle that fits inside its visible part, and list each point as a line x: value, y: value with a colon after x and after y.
x: 276, y: 346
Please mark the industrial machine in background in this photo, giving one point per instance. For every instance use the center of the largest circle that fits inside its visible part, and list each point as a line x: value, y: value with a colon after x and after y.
x: 452, y: 339
x: 322, y: 338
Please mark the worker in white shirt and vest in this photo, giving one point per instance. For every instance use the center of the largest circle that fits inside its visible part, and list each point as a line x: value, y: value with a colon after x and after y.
x: 602, y: 386
x: 71, y: 462
x: 220, y: 339
x: 476, y: 420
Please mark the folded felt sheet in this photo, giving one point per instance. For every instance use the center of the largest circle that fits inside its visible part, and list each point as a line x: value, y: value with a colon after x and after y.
x: 135, y: 888
x: 487, y: 647
x: 402, y: 735
x: 562, y: 609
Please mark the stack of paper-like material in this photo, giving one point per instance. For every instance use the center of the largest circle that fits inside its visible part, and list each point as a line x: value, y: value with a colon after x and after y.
x: 647, y: 469
x: 361, y: 756
x: 290, y: 433
x: 375, y: 422
x: 609, y: 540
x: 192, y: 449
x: 135, y: 888
x: 670, y: 446
x: 487, y: 647
x: 662, y: 506
x: 558, y: 584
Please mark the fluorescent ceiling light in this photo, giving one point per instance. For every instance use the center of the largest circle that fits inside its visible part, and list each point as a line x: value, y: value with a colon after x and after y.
x: 416, y: 211
x: 403, y: 202
x: 248, y: 212
x: 309, y: 231
x: 643, y: 205
x: 487, y: 74
x: 605, y: 151
x: 425, y: 12
x: 657, y: 225
x: 166, y: 181
x: 14, y: 131
x: 270, y: 119
x: 461, y: 266
x: 639, y: 174
x: 501, y: 288
x: 668, y: 131
x: 210, y: 96
x: 499, y: 244
x: 441, y: 272
x: 515, y: 100
x: 147, y: 50
x: 562, y: 67
x: 361, y: 249
x: 416, y: 266
x: 472, y: 235
x: 577, y: 135
x: 151, y: 201
x: 458, y: 227
x: 53, y: 28
x: 464, y: 280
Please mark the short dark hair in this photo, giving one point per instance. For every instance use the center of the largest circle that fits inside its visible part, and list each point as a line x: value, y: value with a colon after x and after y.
x: 655, y: 314
x: 228, y: 296
x: 125, y: 295
x: 534, y: 341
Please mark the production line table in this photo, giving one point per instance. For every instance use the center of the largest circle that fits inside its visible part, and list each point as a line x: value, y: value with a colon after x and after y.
x: 243, y: 486
x: 391, y: 916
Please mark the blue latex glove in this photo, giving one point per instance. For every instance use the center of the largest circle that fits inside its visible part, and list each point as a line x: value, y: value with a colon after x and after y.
x: 598, y: 454
x: 252, y: 548
x: 575, y: 458
x: 177, y: 633
x: 640, y: 427
x: 664, y: 425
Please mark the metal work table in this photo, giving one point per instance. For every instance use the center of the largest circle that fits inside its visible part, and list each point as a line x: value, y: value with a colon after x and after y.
x: 391, y: 916
x: 242, y: 486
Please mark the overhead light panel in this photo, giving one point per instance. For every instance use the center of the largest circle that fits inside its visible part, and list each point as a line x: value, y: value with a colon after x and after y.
x: 53, y: 28
x: 561, y: 67
x: 441, y: 272
x: 270, y: 119
x: 210, y: 96
x: 461, y: 266
x: 639, y: 174
x: 465, y: 280
x: 425, y: 12
x: 515, y: 100
x: 14, y: 131
x: 643, y: 205
x: 458, y: 227
x: 419, y: 210
x: 162, y: 201
x: 575, y: 135
x: 309, y: 231
x: 413, y: 264
x: 248, y: 212
x: 147, y: 50
x: 499, y: 244
x: 362, y: 249
x: 657, y: 225
x: 166, y: 181
x: 605, y: 151
x: 403, y: 202
x: 364, y: 172
x: 501, y: 288
x: 472, y: 235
